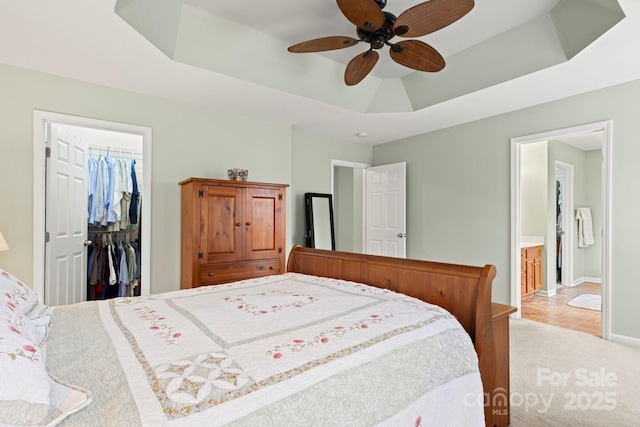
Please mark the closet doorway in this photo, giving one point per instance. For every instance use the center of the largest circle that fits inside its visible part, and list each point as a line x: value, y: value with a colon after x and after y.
x: 64, y: 237
x: 564, y: 174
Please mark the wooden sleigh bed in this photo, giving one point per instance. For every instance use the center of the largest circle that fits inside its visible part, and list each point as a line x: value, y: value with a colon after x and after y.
x: 340, y: 338
x: 464, y: 291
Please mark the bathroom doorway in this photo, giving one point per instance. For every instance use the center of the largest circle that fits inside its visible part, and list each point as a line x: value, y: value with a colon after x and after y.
x: 602, y: 132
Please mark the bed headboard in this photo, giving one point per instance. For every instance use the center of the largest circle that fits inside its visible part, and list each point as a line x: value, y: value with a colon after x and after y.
x: 463, y: 290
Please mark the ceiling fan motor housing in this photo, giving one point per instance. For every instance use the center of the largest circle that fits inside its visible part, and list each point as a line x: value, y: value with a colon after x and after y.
x: 381, y: 3
x: 382, y: 35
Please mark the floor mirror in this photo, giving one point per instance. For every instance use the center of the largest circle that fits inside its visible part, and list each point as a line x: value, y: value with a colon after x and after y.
x: 319, y: 219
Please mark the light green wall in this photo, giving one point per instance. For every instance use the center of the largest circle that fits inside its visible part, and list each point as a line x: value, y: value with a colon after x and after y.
x: 533, y: 189
x: 311, y: 158
x: 458, y: 189
x: 188, y: 141
x: 343, y: 188
x: 457, y: 179
x: 348, y: 194
x: 593, y: 192
x: 358, y: 209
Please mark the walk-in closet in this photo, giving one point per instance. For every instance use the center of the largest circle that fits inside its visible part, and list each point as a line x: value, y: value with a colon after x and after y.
x: 95, y: 187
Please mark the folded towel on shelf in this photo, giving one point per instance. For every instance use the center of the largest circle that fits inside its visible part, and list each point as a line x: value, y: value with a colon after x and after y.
x: 585, y: 227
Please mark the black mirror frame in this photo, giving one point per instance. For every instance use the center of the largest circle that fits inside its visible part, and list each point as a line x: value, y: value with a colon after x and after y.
x: 308, y: 201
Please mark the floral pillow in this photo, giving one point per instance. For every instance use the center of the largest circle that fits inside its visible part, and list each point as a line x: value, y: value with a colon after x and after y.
x: 20, y: 308
x: 28, y: 395
x: 15, y: 295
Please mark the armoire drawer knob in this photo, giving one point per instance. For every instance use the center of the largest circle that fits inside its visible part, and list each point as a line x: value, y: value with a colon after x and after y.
x: 210, y: 274
x: 248, y: 223
x: 238, y: 224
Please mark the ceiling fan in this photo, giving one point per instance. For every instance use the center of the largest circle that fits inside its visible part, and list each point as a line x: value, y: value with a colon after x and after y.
x: 376, y: 27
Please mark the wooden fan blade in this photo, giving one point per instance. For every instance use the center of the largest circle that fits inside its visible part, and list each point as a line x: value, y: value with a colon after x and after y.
x: 417, y: 55
x: 365, y: 14
x: 359, y: 67
x: 430, y: 16
x: 322, y: 44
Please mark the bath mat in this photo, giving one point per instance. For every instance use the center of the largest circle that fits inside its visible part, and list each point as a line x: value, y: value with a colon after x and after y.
x: 588, y: 301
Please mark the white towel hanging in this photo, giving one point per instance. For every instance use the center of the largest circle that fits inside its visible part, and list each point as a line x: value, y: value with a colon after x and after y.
x: 585, y: 227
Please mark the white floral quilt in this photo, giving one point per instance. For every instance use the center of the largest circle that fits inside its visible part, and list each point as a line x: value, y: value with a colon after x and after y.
x: 276, y: 351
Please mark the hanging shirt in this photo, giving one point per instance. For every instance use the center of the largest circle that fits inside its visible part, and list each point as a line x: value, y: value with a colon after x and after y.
x: 131, y: 262
x: 135, y: 194
x: 92, y: 168
x: 108, y: 205
x: 123, y: 275
x: 100, y: 194
x: 125, y: 174
x: 117, y: 192
x: 113, y: 278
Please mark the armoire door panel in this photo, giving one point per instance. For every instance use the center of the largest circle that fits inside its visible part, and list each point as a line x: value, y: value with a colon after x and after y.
x: 221, y: 224
x: 262, y: 228
x: 261, y: 223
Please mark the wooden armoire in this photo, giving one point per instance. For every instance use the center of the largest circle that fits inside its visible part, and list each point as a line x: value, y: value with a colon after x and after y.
x: 231, y: 230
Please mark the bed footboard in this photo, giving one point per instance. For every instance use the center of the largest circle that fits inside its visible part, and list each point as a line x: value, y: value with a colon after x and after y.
x: 464, y: 291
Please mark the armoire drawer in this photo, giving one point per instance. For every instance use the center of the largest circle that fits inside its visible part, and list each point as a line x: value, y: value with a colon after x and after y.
x: 224, y: 273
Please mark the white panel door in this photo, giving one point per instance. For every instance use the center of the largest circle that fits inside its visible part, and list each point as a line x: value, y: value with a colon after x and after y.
x: 385, y: 200
x: 66, y: 218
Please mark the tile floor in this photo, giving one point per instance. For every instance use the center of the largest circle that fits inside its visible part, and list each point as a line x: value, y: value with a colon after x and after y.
x: 555, y: 311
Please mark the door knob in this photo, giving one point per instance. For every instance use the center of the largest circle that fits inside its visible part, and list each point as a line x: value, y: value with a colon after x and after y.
x: 87, y: 242
x: 401, y: 235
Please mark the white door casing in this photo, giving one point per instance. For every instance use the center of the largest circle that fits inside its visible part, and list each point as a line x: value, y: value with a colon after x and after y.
x: 385, y: 202
x: 66, y: 218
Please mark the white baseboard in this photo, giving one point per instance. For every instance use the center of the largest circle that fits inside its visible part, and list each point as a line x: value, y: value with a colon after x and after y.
x: 546, y: 293
x: 623, y: 339
x: 586, y: 279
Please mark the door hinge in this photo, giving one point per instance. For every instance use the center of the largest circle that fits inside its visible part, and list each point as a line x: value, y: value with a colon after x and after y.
x: 200, y: 255
x: 47, y: 152
x: 47, y: 236
x: 279, y: 196
x: 200, y: 193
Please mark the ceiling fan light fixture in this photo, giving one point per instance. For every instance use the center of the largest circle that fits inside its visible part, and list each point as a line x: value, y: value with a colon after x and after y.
x: 378, y: 41
x: 402, y: 29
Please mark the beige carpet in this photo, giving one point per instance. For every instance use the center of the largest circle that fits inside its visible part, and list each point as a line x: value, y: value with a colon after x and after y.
x: 588, y: 301
x: 561, y: 377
